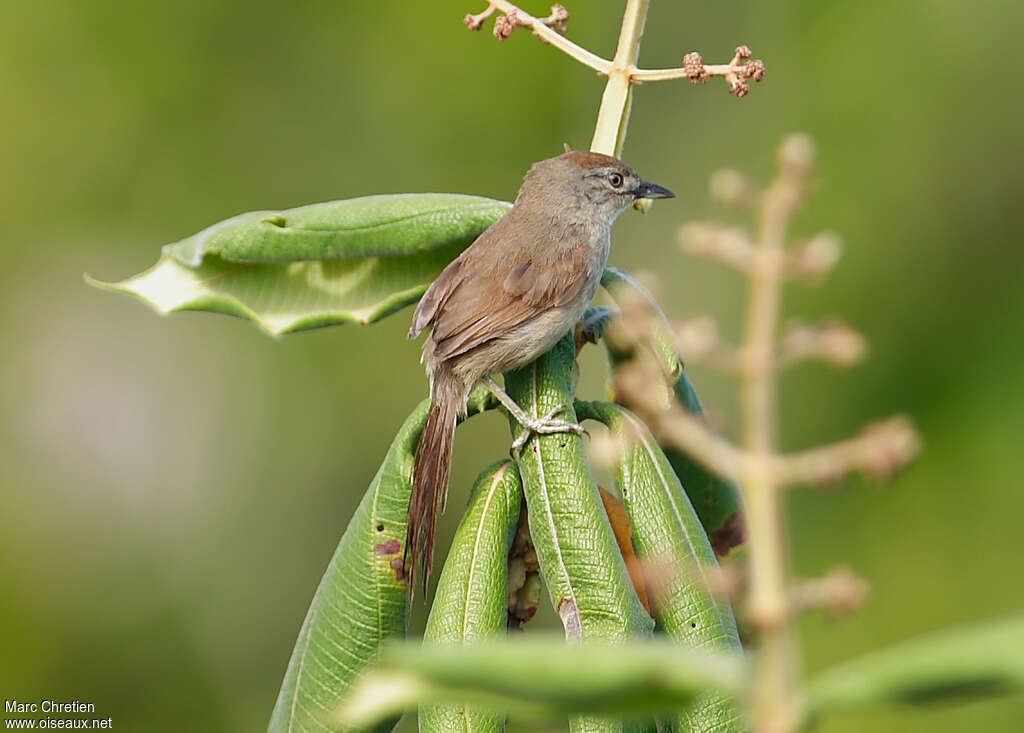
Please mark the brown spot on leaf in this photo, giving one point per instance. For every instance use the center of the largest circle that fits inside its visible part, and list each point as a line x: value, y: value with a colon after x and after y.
x: 731, y: 534
x: 388, y: 548
x: 569, y: 612
x: 398, y: 565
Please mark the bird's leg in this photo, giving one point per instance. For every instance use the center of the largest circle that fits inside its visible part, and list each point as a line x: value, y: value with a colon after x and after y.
x: 546, y: 425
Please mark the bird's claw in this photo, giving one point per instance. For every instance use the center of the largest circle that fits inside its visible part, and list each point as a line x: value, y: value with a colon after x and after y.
x: 546, y: 425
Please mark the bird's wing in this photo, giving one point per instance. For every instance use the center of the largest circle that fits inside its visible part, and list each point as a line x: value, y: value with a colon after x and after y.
x: 483, y: 301
x: 436, y: 294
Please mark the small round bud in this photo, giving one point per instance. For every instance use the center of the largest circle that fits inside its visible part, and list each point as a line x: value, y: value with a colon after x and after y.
x: 796, y: 154
x: 840, y: 345
x: 693, y: 65
x: 739, y: 88
x: 729, y: 186
x: 845, y: 591
x: 891, y: 446
x: 743, y: 52
x: 754, y: 70
x: 559, y: 19
x: 473, y: 22
x: 504, y: 25
x: 819, y: 255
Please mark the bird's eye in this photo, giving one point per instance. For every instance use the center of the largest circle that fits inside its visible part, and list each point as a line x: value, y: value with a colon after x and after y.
x: 615, y: 179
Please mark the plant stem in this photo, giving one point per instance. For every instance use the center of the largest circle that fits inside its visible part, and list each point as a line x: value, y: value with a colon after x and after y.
x: 642, y: 75
x: 613, y: 117
x: 773, y: 694
x: 557, y: 40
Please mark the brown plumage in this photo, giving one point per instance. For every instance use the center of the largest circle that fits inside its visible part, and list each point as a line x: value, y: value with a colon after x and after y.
x: 507, y: 299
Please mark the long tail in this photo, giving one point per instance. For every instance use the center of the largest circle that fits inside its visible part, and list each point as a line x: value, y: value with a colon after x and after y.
x: 430, y: 474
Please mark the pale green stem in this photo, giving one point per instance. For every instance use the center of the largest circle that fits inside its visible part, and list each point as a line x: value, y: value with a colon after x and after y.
x: 773, y: 701
x: 642, y: 75
x: 613, y: 117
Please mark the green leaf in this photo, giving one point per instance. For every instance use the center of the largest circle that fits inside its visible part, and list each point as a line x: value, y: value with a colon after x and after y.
x: 667, y: 535
x: 540, y: 679
x: 471, y: 602
x: 579, y: 558
x: 361, y: 600
x: 716, y: 499
x: 339, y: 262
x: 371, y: 226
x: 967, y: 662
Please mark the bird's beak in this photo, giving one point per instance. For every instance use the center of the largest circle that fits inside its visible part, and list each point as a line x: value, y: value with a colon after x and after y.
x: 648, y: 190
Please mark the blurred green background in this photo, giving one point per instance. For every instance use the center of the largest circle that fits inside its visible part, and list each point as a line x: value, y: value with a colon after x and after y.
x: 173, y: 488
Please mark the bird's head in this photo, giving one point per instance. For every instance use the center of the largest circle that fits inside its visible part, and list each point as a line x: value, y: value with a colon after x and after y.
x: 592, y: 183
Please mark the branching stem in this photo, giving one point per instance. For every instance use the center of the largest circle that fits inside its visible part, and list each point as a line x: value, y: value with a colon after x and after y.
x: 622, y: 71
x: 878, y: 452
x: 762, y: 471
x: 548, y: 35
x: 768, y: 603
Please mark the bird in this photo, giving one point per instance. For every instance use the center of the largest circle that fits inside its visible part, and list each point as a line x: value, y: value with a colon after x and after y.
x: 504, y: 301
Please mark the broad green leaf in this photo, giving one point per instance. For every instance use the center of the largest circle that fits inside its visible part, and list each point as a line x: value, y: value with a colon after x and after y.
x: 966, y: 662
x: 579, y: 558
x: 716, y: 499
x: 338, y: 262
x: 361, y: 600
x: 541, y: 679
x: 370, y: 226
x: 471, y: 602
x: 668, y: 537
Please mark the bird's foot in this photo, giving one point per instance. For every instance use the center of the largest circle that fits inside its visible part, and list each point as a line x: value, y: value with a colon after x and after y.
x: 546, y: 425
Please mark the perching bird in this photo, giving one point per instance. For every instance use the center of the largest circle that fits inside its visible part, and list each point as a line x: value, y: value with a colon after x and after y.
x: 507, y: 299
